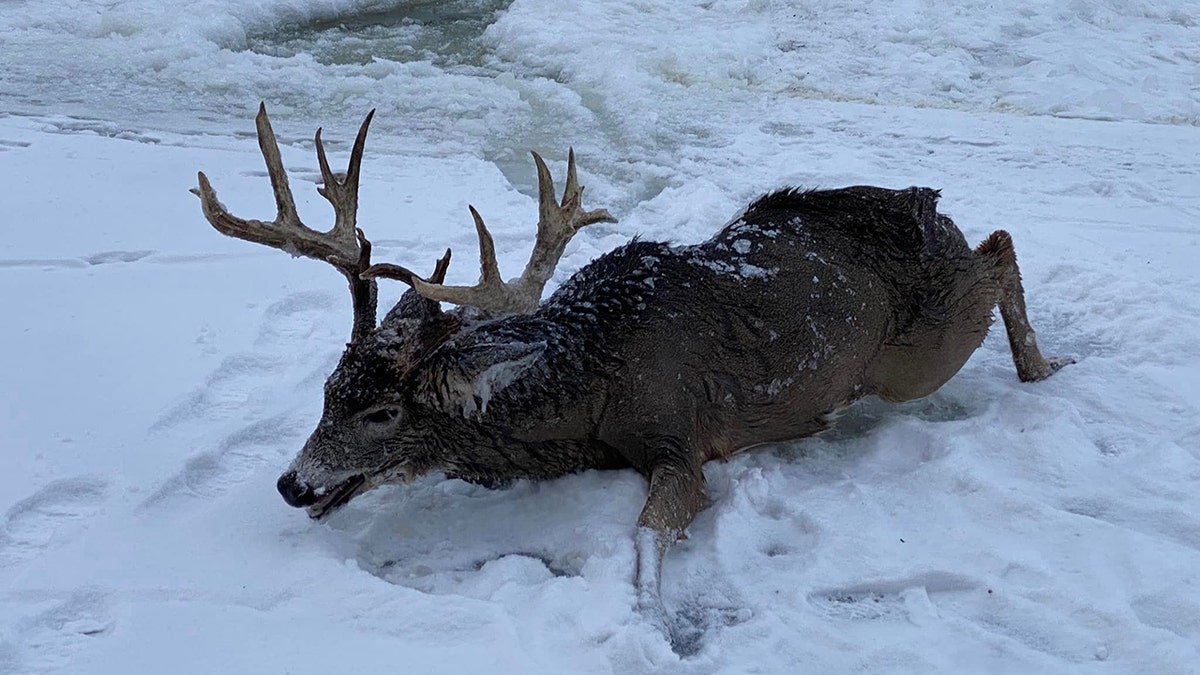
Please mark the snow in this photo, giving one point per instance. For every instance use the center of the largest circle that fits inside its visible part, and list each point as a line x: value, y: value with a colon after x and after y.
x: 158, y: 377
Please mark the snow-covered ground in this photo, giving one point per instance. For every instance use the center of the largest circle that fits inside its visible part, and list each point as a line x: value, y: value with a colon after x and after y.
x: 156, y: 377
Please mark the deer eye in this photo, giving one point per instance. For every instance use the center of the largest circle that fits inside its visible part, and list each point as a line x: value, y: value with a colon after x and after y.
x: 381, y: 416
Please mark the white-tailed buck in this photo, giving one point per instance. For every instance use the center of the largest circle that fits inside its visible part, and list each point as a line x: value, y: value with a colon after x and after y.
x: 654, y: 357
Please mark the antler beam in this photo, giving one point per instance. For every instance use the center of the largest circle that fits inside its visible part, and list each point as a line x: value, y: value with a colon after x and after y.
x: 557, y: 224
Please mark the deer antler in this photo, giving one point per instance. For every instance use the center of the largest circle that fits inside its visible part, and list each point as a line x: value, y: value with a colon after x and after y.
x: 557, y: 223
x: 348, y: 250
x: 345, y: 247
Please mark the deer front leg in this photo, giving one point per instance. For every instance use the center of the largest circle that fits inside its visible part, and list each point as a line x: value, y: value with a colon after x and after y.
x: 676, y: 495
x: 1031, y: 365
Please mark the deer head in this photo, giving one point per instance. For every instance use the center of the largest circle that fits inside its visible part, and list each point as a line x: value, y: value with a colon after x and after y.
x: 376, y: 427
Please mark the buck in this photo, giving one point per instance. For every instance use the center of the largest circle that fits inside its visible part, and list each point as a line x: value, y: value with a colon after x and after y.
x: 653, y: 357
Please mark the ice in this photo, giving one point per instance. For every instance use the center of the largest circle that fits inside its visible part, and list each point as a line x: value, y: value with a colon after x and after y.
x: 158, y: 377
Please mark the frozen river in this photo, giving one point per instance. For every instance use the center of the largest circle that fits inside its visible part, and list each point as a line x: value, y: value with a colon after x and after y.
x: 650, y: 91
x: 155, y: 378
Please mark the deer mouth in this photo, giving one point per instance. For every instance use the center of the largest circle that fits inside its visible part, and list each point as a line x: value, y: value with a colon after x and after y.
x: 337, y: 497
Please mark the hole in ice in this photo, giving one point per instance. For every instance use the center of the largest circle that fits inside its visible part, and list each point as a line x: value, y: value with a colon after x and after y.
x: 446, y: 33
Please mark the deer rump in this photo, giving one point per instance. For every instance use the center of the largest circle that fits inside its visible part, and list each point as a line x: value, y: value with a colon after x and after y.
x: 653, y: 356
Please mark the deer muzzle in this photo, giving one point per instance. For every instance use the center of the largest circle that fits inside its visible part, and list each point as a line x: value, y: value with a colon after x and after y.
x: 294, y: 491
x: 322, y: 500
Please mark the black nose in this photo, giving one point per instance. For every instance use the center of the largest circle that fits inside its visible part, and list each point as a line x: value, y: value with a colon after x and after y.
x: 294, y: 492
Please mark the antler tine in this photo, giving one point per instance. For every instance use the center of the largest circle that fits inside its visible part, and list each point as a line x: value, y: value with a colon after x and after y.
x: 557, y: 223
x: 402, y: 273
x: 389, y: 271
x: 343, y: 193
x: 491, y: 292
x: 571, y: 191
x: 344, y: 246
x: 489, y: 269
x: 547, y: 202
x: 284, y: 201
x: 439, y: 270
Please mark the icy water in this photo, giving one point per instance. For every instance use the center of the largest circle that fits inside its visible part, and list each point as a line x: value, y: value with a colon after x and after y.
x: 139, y: 66
x: 448, y: 35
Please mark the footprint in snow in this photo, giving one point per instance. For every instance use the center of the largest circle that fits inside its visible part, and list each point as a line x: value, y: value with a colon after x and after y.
x: 286, y: 325
x: 1175, y: 612
x: 785, y: 532
x: 226, y: 391
x: 1164, y: 521
x: 102, y: 258
x: 913, y: 598
x: 109, y: 257
x: 240, y: 456
x: 32, y: 523
x: 51, y: 639
x: 300, y: 315
x: 753, y: 518
x: 692, y: 624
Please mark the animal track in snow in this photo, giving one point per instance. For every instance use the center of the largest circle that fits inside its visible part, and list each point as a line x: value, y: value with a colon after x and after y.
x: 63, y: 263
x: 32, y: 523
x: 107, y: 257
x: 909, y: 599
x: 101, y: 258
x: 110, y: 257
x: 747, y: 530
x: 1178, y: 613
x: 692, y: 623
x: 296, y: 317
x: 226, y: 391
x: 243, y: 388
x: 785, y: 531
x: 936, y: 597
x: 232, y: 386
x: 241, y: 455
x: 52, y: 638
x: 751, y: 518
x: 1164, y: 523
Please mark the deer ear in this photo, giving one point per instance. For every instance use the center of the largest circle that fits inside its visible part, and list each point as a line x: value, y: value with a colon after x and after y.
x: 467, y: 384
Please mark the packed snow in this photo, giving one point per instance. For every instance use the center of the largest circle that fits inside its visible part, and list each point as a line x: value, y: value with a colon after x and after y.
x: 157, y: 377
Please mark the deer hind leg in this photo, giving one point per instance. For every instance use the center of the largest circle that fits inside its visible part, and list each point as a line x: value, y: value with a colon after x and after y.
x: 1031, y: 365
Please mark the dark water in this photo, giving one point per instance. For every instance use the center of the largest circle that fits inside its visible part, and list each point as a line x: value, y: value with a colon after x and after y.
x: 447, y: 34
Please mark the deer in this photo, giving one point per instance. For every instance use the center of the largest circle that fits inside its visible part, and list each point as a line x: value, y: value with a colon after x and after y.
x: 655, y: 357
